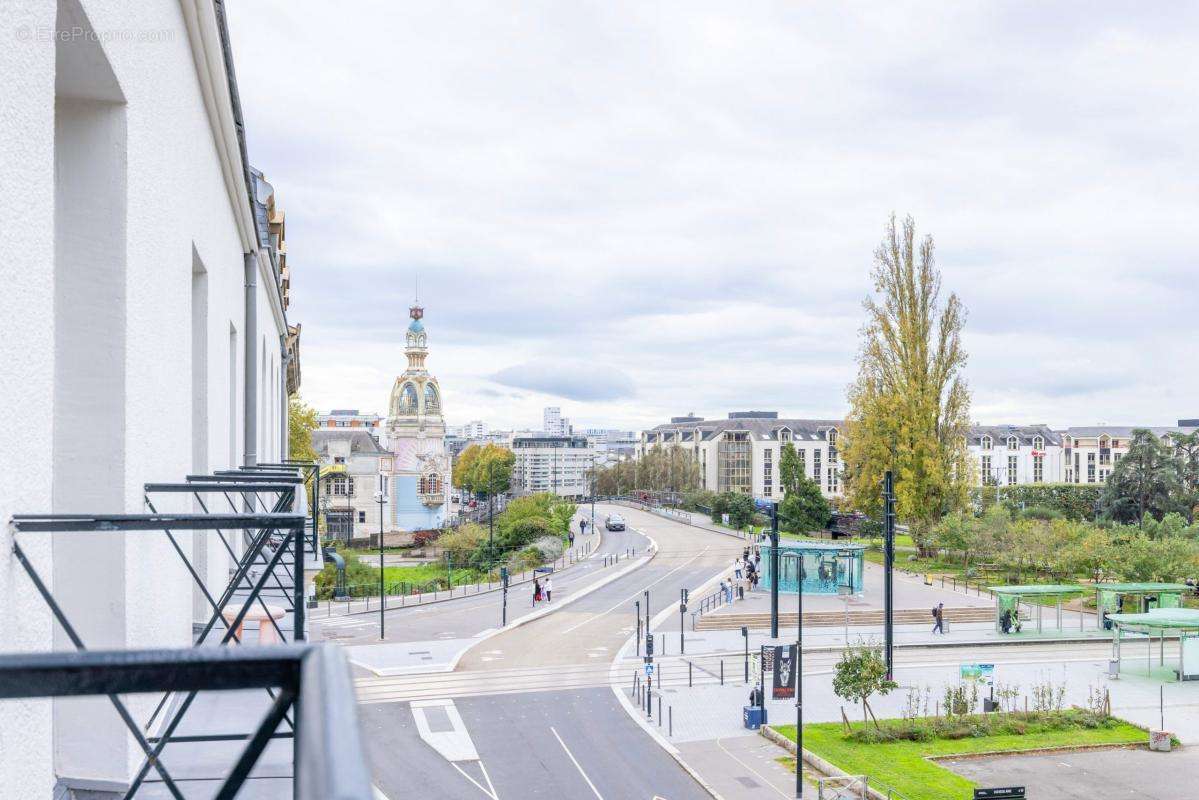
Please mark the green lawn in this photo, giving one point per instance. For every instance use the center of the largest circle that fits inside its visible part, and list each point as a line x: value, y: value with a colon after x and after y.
x: 905, y: 765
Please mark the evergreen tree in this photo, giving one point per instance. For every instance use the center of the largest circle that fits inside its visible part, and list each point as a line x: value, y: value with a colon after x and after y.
x: 804, y: 508
x: 1145, y: 481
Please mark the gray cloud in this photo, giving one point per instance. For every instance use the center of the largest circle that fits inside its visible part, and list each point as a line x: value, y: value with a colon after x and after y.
x: 691, y: 193
x: 572, y: 381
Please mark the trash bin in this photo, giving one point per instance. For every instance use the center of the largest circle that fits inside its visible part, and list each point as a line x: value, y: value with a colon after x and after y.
x: 753, y: 717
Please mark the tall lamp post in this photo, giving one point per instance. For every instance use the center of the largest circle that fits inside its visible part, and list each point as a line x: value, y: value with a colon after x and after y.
x: 799, y: 573
x: 381, y: 498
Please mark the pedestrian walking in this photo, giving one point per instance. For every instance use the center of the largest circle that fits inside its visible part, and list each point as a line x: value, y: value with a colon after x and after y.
x: 724, y: 590
x: 536, y: 591
x: 939, y: 617
x: 737, y: 567
x: 583, y: 527
x: 728, y: 592
x: 570, y: 537
x: 549, y: 589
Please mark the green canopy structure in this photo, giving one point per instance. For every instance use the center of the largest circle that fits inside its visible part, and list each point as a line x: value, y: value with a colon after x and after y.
x: 1135, y: 598
x: 1164, y: 623
x: 1007, y: 603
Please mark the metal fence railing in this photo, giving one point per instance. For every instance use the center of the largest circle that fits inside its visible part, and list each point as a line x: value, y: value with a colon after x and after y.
x: 312, y: 683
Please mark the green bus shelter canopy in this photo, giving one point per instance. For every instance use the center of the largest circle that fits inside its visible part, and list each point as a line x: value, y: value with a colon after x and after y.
x: 1136, y: 588
x: 1039, y: 589
x: 1186, y: 618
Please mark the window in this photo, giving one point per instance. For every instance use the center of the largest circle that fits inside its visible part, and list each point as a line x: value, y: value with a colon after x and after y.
x: 430, y: 483
x: 339, y: 459
x: 407, y: 401
x: 1038, y: 469
x: 803, y: 460
x: 986, y: 443
x: 734, y: 460
x: 832, y: 479
x: 432, y: 402
x: 1038, y: 443
x: 339, y: 486
x: 1011, y: 470
x: 1077, y: 469
x: 785, y: 435
x: 816, y: 466
x: 1116, y: 457
x: 1090, y: 467
x: 362, y: 516
x: 1013, y: 443
x: 767, y: 471
x: 985, y: 469
x: 1105, y: 450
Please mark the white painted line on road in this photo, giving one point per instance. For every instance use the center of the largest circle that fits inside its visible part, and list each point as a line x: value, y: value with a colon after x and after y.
x: 634, y: 595
x: 576, y: 763
x: 461, y: 771
x: 454, y: 744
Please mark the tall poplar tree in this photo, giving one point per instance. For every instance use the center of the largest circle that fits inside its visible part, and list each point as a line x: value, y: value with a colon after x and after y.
x: 909, y: 407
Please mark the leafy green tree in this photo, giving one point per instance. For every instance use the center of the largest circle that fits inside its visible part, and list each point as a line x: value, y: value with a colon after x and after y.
x: 562, y: 513
x: 1145, y: 481
x: 909, y: 407
x: 860, y: 674
x: 739, y: 507
x: 791, y: 469
x: 301, y: 421
x: 1186, y: 451
x: 804, y: 508
x: 957, y: 533
x: 662, y: 469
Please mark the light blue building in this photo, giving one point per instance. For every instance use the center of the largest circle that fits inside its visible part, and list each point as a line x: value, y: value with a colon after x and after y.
x: 824, y: 567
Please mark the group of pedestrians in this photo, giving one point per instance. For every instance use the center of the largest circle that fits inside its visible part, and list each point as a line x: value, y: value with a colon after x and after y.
x: 745, y: 574
x: 543, y: 590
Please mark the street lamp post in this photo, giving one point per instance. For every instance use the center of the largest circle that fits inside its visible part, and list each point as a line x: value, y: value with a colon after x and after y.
x: 798, y: 673
x: 380, y: 498
x: 774, y: 571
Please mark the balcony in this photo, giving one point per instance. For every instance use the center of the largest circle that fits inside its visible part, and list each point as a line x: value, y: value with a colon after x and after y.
x: 432, y: 498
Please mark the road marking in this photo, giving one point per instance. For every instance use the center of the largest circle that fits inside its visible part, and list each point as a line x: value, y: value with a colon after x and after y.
x: 576, y: 763
x: 634, y: 595
x: 461, y: 771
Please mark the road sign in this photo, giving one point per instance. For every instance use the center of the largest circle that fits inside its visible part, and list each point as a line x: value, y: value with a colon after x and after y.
x: 649, y: 670
x: 983, y: 673
x: 649, y: 644
x: 1000, y: 793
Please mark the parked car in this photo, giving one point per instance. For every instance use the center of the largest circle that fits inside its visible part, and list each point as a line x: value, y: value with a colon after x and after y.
x: 614, y: 522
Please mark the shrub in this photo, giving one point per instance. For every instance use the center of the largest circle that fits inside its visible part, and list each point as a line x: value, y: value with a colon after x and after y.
x: 739, y: 507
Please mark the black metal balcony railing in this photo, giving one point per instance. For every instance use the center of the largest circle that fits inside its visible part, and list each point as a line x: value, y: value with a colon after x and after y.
x: 312, y: 682
x: 262, y: 501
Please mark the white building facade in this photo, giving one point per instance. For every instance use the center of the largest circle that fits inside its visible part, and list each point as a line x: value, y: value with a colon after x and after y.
x: 1092, y: 452
x: 557, y: 464
x: 741, y: 453
x: 1008, y: 455
x: 351, y: 463
x: 142, y: 338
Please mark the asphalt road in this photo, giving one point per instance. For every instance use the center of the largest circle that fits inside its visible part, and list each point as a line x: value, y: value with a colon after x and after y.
x: 569, y: 744
x: 554, y: 744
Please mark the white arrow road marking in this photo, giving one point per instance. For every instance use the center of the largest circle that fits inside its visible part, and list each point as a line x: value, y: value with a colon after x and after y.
x: 574, y: 761
x: 454, y: 745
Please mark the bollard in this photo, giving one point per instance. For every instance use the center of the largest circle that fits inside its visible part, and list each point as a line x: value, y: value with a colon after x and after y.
x: 659, y: 710
x: 670, y: 724
x: 689, y: 684
x: 722, y: 672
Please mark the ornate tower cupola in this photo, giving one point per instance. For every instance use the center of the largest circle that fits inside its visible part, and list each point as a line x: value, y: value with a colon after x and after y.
x: 416, y: 347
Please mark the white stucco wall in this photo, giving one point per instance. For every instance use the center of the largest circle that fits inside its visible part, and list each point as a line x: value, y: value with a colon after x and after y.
x: 176, y: 200
x: 26, y: 348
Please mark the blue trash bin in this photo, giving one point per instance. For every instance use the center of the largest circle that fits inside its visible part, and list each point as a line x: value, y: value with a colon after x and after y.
x: 753, y: 717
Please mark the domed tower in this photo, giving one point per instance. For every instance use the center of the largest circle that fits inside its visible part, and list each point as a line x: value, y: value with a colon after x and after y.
x: 415, y: 432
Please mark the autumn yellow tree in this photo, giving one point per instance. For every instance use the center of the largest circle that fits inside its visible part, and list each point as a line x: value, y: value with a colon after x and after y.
x: 909, y: 407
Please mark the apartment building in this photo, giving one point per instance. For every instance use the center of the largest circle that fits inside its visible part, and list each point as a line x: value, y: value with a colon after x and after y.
x: 557, y: 464
x: 1007, y: 455
x: 144, y: 334
x: 1092, y: 452
x: 741, y: 453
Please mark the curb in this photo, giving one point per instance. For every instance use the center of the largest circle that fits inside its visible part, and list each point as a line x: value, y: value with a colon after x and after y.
x: 635, y: 713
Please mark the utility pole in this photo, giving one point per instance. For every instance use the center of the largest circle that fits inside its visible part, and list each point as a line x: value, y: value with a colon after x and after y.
x: 888, y: 567
x: 381, y: 496
x: 774, y: 571
x: 504, y: 608
x: 799, y: 686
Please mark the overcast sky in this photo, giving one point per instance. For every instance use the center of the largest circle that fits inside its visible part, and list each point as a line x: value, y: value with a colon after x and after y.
x: 633, y: 210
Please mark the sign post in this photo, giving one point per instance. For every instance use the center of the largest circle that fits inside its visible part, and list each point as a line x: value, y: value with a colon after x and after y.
x: 1000, y: 793
x: 682, y: 611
